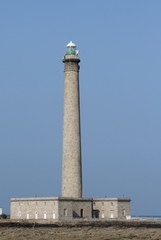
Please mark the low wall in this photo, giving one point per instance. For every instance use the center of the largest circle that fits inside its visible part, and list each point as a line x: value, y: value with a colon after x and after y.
x: 78, y: 223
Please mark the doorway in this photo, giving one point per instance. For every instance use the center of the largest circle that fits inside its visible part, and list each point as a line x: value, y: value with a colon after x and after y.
x: 81, y: 213
x: 45, y: 215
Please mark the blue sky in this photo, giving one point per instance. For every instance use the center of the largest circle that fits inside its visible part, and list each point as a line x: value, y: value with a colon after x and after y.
x: 120, y: 82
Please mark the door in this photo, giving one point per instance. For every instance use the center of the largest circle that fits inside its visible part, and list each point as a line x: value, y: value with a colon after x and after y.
x: 81, y: 213
x: 45, y: 215
x: 111, y: 216
x: 54, y: 215
x: 36, y: 215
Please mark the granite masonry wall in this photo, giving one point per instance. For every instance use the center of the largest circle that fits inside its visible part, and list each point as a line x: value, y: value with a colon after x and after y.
x: 66, y: 209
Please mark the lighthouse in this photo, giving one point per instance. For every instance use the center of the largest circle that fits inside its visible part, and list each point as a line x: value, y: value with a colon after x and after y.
x: 71, y: 156
x: 71, y: 204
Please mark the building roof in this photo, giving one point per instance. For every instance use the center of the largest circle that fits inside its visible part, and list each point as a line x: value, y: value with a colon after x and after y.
x: 71, y: 44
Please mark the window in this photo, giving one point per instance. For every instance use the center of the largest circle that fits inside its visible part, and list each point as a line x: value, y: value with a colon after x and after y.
x: 111, y: 203
x: 123, y: 212
x: 19, y: 214
x: 102, y: 203
x: 65, y: 212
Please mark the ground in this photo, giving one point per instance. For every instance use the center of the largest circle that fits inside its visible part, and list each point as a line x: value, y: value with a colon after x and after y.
x: 80, y: 233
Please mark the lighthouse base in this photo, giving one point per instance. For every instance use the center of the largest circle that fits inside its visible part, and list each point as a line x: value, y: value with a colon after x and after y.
x: 68, y: 209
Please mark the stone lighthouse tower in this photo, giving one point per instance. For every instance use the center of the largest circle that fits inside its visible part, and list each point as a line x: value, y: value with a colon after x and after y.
x: 71, y: 162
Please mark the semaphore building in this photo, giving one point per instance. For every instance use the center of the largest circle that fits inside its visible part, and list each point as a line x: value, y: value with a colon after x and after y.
x: 70, y: 205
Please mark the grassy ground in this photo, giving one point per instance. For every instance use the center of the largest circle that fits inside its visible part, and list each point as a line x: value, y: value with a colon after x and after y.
x: 79, y: 233
x: 77, y: 230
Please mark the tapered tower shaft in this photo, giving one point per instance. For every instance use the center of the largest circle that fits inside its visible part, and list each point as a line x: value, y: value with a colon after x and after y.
x: 71, y: 163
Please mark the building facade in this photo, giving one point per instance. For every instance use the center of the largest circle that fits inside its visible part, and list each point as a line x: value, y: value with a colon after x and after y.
x: 111, y: 208
x: 68, y: 209
x: 51, y: 208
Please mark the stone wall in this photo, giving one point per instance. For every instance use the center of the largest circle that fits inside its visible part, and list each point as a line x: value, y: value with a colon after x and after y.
x: 67, y: 209
x: 51, y: 208
x: 71, y: 163
x: 70, y: 209
x: 34, y: 208
x: 124, y: 210
x: 109, y: 208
